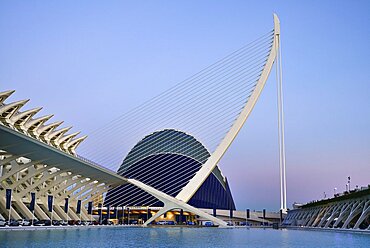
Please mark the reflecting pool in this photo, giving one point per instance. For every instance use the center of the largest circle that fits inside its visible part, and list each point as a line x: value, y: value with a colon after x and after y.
x: 179, y: 237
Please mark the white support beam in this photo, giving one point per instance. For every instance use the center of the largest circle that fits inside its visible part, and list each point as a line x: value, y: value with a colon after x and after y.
x: 356, y: 209
x: 364, y: 214
x: 46, y: 176
x: 173, y: 203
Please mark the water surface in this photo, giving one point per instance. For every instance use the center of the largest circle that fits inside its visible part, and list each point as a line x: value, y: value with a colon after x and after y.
x: 180, y: 237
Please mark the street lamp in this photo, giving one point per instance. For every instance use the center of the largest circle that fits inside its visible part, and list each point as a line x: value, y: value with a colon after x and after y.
x: 123, y: 214
x: 349, y: 183
x: 347, y: 187
x: 128, y: 216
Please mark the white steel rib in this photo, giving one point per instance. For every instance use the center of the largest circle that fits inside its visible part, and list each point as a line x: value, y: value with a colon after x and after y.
x: 193, y: 185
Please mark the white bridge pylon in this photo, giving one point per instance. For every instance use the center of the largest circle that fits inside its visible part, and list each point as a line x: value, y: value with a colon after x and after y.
x: 193, y: 185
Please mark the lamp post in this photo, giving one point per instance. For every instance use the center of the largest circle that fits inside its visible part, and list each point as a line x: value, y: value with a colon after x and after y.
x: 349, y: 183
x: 246, y: 218
x: 101, y: 214
x: 347, y: 187
x: 116, y: 210
x: 123, y: 215
x: 128, y: 216
x: 147, y: 213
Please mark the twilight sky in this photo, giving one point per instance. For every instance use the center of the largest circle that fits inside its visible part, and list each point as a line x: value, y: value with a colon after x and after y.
x: 90, y: 61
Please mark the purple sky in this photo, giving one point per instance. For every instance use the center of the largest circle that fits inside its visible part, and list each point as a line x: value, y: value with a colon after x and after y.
x: 80, y: 59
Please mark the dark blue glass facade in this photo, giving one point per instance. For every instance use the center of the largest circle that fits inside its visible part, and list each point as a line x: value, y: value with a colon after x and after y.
x: 167, y: 160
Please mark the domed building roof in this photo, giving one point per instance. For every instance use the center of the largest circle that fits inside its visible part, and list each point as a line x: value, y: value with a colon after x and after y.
x: 167, y: 160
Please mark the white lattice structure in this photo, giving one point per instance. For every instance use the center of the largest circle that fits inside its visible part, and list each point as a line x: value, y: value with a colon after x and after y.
x: 340, y: 213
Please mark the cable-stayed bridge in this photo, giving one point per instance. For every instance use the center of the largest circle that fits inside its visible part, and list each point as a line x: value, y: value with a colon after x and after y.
x: 205, y: 112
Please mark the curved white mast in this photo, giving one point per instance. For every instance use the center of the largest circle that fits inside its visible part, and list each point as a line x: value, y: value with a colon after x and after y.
x: 193, y: 185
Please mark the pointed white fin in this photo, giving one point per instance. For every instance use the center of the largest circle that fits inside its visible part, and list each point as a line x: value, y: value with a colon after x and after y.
x: 6, y: 111
x: 5, y: 94
x: 33, y: 124
x: 20, y: 118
